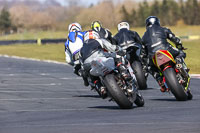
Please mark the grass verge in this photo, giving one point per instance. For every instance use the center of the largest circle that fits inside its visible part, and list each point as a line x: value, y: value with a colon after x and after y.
x: 44, y: 52
x: 56, y: 52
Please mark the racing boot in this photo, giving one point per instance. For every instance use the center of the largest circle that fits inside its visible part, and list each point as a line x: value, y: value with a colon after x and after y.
x: 84, y: 76
x: 76, y: 69
x: 86, y: 83
x: 161, y: 83
x: 101, y: 90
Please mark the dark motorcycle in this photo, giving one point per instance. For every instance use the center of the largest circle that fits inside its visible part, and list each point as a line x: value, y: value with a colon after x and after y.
x: 133, y: 51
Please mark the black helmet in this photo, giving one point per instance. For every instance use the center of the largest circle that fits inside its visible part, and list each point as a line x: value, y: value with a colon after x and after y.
x: 152, y: 20
x: 96, y: 25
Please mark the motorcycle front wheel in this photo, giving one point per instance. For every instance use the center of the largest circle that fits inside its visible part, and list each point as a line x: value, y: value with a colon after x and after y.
x: 116, y: 93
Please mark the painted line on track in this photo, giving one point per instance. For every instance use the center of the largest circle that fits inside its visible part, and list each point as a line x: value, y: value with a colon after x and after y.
x: 197, y: 76
x: 51, y: 84
x: 33, y: 59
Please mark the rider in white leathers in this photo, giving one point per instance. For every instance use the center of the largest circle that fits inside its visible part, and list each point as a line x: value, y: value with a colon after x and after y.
x: 73, y: 45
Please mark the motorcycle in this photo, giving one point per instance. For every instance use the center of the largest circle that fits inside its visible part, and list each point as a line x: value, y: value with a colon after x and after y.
x: 133, y: 56
x: 175, y: 75
x: 123, y: 92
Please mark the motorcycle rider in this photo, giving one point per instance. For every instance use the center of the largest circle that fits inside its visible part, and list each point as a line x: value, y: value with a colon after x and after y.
x: 155, y: 38
x: 103, y: 32
x: 94, y: 47
x: 73, y: 45
x: 125, y: 37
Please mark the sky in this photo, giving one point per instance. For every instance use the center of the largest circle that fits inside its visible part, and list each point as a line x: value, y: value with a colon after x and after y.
x: 86, y: 2
x: 82, y: 2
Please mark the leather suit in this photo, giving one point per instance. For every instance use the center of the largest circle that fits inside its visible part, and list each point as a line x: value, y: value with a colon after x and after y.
x: 155, y: 38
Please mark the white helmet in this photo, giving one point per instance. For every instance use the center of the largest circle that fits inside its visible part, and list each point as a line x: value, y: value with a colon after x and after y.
x: 123, y: 25
x: 91, y: 35
x: 74, y: 27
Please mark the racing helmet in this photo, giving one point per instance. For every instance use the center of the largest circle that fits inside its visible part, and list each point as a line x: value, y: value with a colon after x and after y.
x: 74, y: 27
x: 91, y: 35
x: 123, y: 25
x: 96, y: 25
x: 152, y: 20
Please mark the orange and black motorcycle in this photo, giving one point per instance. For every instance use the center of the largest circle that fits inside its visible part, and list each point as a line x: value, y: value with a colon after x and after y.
x: 175, y: 75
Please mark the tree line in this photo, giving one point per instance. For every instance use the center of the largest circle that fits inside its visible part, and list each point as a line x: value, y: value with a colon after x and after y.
x: 170, y: 12
x: 5, y: 21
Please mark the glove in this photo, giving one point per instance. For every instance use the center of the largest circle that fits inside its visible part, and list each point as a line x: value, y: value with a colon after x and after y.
x: 180, y: 47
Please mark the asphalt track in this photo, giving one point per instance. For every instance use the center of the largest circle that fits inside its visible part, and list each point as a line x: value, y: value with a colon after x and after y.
x: 40, y: 97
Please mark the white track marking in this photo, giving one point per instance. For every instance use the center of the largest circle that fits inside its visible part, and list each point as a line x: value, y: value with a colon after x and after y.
x: 56, y: 62
x: 50, y: 84
x: 46, y: 91
x: 33, y: 59
x: 44, y: 74
x: 197, y: 76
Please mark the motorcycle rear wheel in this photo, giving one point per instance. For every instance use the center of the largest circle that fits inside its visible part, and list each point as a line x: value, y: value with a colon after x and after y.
x: 116, y: 93
x: 140, y: 76
x: 178, y: 90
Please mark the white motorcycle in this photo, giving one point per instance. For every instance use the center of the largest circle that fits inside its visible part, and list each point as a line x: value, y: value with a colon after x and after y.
x: 123, y: 92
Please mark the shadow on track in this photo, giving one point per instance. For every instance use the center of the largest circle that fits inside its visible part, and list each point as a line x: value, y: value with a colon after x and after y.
x: 159, y: 99
x: 146, y: 89
x: 112, y: 107
x: 91, y: 96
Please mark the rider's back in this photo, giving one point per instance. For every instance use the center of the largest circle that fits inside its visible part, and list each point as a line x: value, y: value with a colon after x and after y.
x: 155, y: 38
x: 124, y: 36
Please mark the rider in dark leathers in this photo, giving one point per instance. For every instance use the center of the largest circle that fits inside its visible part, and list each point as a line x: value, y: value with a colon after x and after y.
x: 155, y: 38
x: 125, y: 37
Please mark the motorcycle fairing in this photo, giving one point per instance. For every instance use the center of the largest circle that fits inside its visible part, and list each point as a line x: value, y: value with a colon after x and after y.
x: 101, y: 66
x: 161, y: 57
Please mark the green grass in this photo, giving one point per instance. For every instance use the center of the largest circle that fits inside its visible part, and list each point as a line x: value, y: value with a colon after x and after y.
x: 193, y: 55
x: 56, y: 52
x: 35, y: 35
x: 177, y: 30
x: 44, y: 52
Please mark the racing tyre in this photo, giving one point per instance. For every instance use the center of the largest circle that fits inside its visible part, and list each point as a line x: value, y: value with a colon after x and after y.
x: 140, y: 75
x: 178, y: 90
x: 116, y: 93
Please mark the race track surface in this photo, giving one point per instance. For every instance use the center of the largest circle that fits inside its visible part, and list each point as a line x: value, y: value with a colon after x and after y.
x: 39, y: 97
